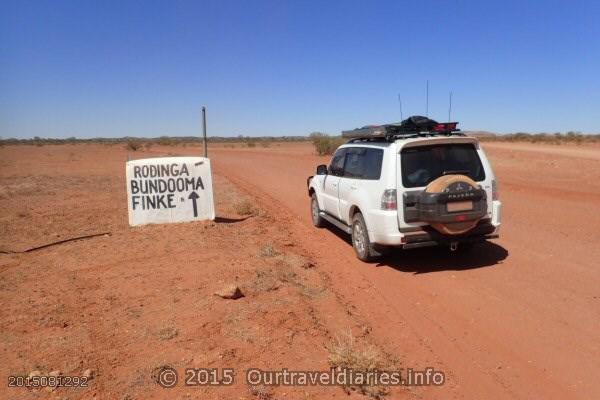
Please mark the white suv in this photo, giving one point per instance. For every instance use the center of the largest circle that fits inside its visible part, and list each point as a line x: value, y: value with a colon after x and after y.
x: 407, y: 190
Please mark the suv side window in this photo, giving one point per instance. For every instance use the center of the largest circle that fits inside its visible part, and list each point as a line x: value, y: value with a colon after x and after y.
x: 363, y: 163
x: 336, y: 167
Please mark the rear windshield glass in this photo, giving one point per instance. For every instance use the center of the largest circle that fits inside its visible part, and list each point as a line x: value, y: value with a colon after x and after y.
x: 421, y: 165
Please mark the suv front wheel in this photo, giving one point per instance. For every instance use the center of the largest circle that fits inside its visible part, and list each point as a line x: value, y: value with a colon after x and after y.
x: 360, y: 239
x: 315, y: 212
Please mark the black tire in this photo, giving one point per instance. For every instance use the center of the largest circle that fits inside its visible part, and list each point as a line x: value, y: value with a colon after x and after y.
x: 364, y: 249
x: 317, y: 220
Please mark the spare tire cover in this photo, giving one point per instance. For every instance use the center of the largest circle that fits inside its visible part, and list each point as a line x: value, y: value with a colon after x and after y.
x: 450, y: 183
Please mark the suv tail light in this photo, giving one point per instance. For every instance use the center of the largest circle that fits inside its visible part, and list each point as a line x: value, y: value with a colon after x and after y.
x: 388, y: 200
x: 495, y: 194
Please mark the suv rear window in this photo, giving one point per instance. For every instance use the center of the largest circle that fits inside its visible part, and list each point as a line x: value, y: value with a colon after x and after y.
x: 363, y: 163
x: 421, y: 165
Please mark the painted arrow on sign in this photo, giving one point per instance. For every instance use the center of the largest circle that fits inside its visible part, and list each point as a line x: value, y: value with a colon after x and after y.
x: 194, y: 196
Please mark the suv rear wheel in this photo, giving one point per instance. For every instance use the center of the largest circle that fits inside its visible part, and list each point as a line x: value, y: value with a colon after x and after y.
x: 363, y: 247
x: 317, y: 220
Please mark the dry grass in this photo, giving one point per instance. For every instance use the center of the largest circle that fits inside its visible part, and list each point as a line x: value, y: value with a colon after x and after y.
x: 245, y: 207
x: 266, y: 281
x: 167, y: 333
x: 267, y: 251
x: 346, y: 353
x: 296, y: 261
x: 283, y: 273
x: 261, y: 392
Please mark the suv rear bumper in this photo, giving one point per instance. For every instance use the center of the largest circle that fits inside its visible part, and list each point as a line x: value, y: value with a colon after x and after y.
x: 427, y: 236
x: 430, y: 237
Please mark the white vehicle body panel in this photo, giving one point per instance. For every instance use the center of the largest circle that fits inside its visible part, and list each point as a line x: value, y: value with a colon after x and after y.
x: 340, y: 197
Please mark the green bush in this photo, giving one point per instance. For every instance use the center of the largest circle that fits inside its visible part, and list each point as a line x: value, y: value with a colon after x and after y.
x: 325, y: 144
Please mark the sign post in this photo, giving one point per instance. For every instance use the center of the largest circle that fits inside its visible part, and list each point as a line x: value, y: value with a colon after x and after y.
x: 204, y: 131
x: 169, y: 189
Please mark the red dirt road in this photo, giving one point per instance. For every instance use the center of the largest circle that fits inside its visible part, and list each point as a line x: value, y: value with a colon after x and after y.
x: 517, y: 318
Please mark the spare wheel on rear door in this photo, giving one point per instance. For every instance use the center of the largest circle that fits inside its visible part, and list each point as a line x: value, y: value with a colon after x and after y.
x: 452, y: 204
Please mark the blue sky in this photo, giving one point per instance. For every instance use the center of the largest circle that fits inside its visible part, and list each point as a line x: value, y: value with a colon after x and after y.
x: 145, y: 68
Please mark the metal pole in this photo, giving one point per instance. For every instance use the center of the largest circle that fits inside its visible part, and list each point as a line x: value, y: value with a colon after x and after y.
x: 204, y: 131
x: 450, y: 108
x: 400, y: 101
x: 427, y: 100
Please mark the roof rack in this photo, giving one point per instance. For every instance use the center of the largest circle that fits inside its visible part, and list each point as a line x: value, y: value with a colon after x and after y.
x: 412, y: 127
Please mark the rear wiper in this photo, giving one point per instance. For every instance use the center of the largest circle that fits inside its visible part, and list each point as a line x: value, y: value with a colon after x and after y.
x: 456, y: 172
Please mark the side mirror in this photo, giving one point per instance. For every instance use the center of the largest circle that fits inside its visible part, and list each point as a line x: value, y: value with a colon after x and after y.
x: 322, y: 169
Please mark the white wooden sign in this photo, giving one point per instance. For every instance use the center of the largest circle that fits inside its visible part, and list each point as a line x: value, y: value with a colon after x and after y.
x: 169, y: 189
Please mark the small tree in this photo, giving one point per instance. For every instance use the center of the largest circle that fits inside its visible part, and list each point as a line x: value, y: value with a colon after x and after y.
x: 325, y: 144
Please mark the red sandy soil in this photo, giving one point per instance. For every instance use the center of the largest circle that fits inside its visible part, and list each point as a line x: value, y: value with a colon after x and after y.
x: 126, y: 303
x: 516, y: 318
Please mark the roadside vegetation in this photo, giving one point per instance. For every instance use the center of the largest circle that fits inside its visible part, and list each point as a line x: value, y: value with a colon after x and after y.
x: 245, y: 207
x: 345, y: 352
x: 141, y: 142
x: 546, y: 138
x: 134, y: 145
x: 325, y: 144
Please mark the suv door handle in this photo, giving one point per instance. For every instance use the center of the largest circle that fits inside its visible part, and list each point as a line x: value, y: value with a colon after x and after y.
x: 353, y: 187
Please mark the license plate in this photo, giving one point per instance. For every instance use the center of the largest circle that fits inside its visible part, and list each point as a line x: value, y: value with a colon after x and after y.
x: 459, y: 206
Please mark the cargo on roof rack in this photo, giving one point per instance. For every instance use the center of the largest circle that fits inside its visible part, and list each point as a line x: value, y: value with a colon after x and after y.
x: 411, y: 127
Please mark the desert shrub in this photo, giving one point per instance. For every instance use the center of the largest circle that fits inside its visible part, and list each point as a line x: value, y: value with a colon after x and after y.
x: 251, y: 143
x: 325, y: 144
x: 346, y: 353
x: 133, y: 145
x: 556, y: 138
x: 165, y: 141
x: 245, y: 207
x: 265, y: 144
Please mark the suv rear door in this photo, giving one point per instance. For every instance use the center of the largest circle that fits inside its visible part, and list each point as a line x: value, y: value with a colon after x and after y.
x: 359, y: 185
x: 420, y: 163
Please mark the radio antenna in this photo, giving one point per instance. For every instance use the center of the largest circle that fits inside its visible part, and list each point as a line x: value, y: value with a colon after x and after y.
x: 450, y: 108
x: 400, y: 102
x: 427, y: 100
